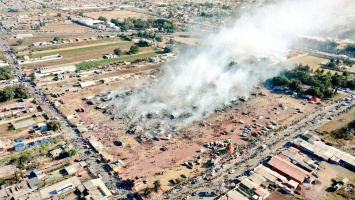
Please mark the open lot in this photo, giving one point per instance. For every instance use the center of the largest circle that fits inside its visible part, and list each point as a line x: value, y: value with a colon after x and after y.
x: 187, y: 40
x: 338, y: 122
x: 146, y: 159
x: 65, y: 27
x: 313, y: 62
x: 116, y: 14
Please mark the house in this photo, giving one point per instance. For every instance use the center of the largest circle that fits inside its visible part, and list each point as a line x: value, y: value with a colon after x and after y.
x: 75, y: 167
x: 56, y: 152
x: 41, y: 126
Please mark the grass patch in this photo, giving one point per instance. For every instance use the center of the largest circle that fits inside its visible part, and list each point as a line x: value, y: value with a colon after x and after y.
x: 24, y: 119
x: 88, y: 65
x: 74, y: 49
x: 338, y: 122
x: 312, y: 61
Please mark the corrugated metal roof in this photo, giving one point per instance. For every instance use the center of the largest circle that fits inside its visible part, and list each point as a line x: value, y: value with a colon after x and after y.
x: 288, y: 168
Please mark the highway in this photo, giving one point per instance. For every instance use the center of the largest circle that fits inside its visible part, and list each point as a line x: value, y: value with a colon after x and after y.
x: 67, y: 130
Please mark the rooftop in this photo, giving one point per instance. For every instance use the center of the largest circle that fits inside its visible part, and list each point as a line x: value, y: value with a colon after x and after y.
x: 288, y: 168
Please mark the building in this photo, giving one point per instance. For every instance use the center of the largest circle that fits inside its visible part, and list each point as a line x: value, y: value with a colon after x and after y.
x: 24, y: 35
x: 269, y: 174
x: 98, y: 146
x: 34, y: 182
x: 41, y: 126
x: 76, y: 167
x: 328, y: 153
x: 56, y: 152
x: 284, y: 166
x: 56, y: 70
x: 97, y: 189
x: 235, y: 195
x: 23, y: 124
x: 56, y: 189
x: 87, y: 84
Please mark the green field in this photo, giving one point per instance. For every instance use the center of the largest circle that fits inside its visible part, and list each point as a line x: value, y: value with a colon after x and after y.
x: 88, y: 65
x: 75, y: 49
x: 312, y: 61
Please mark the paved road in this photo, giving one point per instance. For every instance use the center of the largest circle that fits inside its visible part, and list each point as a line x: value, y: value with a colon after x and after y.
x: 255, y: 155
x: 67, y: 130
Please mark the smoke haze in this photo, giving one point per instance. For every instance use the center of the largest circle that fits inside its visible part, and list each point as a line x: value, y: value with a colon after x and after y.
x: 203, y: 78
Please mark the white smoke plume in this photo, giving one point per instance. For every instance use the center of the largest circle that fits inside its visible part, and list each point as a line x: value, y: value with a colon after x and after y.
x: 202, y: 78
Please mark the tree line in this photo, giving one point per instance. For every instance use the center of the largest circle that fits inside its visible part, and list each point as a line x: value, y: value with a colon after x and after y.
x: 322, y: 85
x: 11, y: 92
x: 163, y: 25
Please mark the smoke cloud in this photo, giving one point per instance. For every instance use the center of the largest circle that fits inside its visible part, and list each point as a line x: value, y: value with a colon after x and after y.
x: 228, y: 64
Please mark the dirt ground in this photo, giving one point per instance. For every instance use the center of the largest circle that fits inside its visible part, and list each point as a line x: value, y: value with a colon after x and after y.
x: 65, y: 27
x: 319, y: 191
x: 187, y: 40
x: 146, y: 160
x: 116, y: 14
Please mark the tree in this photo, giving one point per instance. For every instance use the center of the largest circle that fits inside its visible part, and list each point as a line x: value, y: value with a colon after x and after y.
x: 102, y: 18
x: 168, y: 49
x: 117, y: 51
x: 7, y: 94
x: 57, y: 39
x: 59, y: 15
x: 72, y: 152
x: 33, y: 76
x: 53, y: 125
x: 143, y: 43
x: 81, y: 14
x: 157, y: 185
x: 6, y: 73
x: 295, y: 85
x: 134, y: 49
x: 21, y: 92
x: 19, y: 42
x: 280, y: 81
x: 147, y: 192
x: 158, y: 38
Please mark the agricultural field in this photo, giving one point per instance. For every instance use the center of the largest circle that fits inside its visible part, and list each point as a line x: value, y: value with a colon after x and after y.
x: 116, y: 14
x: 65, y: 27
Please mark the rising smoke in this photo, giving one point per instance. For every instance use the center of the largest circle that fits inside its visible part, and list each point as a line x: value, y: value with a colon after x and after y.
x: 204, y: 78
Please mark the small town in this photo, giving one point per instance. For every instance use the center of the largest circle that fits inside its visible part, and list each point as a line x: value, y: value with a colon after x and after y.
x: 181, y: 100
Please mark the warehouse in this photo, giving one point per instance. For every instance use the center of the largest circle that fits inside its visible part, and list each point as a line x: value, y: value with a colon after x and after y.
x: 286, y: 168
x: 326, y: 152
